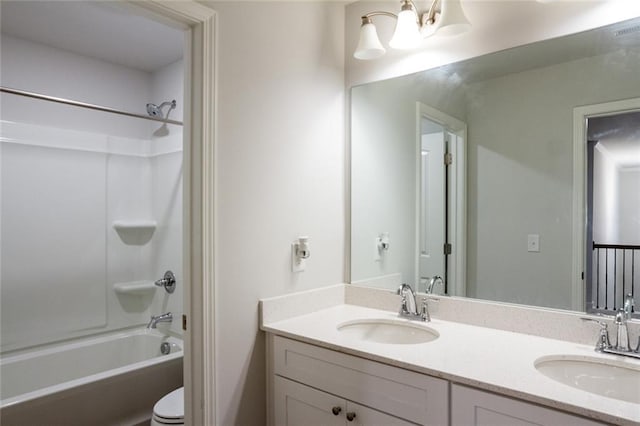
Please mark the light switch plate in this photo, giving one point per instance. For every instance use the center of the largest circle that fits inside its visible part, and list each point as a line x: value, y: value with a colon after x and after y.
x: 533, y: 243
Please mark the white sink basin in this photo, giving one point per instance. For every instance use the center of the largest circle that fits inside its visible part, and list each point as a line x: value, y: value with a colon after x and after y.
x: 611, y: 378
x: 388, y: 331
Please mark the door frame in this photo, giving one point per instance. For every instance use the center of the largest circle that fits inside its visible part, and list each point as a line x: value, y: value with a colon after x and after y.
x: 457, y: 210
x: 579, y: 251
x: 200, y: 112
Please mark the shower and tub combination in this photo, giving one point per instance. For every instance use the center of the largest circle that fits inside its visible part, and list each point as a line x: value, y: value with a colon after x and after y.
x: 90, y: 224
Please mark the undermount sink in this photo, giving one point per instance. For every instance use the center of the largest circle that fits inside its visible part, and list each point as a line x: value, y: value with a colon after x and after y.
x: 388, y: 331
x: 610, y: 378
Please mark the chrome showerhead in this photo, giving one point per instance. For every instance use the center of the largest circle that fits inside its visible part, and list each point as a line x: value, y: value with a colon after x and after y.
x: 156, y: 111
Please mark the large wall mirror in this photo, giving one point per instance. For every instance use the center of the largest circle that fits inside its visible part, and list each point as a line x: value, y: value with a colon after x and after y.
x: 515, y: 175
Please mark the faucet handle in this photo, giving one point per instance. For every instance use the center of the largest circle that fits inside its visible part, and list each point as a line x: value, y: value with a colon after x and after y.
x: 424, y: 311
x: 603, y: 339
x: 622, y: 336
x: 629, y: 305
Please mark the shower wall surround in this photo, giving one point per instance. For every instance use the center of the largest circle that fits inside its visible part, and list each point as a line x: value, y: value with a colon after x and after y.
x: 66, y: 176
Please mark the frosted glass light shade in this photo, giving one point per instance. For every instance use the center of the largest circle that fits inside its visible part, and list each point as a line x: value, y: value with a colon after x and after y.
x: 369, y: 46
x: 407, y: 35
x: 453, y: 20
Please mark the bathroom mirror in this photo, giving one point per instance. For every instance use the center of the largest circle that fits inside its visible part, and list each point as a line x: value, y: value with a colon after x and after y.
x: 501, y: 213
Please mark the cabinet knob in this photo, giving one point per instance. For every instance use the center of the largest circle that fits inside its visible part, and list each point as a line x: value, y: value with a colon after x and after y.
x: 336, y: 410
x: 351, y: 416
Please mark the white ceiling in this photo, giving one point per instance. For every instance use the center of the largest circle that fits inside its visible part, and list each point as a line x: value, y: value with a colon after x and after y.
x: 100, y: 29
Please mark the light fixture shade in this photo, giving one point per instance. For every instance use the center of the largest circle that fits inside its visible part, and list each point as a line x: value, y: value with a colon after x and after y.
x: 369, y: 46
x: 452, y: 19
x: 407, y: 35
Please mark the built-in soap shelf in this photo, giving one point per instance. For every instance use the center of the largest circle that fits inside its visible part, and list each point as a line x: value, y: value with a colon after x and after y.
x: 134, y: 225
x: 135, y: 232
x: 135, y: 287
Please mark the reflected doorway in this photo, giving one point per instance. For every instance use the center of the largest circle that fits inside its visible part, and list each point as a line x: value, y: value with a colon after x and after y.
x: 440, y: 209
x: 612, y: 267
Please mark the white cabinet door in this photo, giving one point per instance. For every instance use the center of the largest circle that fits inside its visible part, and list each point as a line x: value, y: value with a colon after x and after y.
x: 363, y: 416
x: 472, y: 407
x: 299, y: 405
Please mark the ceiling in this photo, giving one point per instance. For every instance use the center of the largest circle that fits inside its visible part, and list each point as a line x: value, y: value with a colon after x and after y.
x: 105, y: 30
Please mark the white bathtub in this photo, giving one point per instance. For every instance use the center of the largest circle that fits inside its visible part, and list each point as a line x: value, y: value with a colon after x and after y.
x: 111, y: 379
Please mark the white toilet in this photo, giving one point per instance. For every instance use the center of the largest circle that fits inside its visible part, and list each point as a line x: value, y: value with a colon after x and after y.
x: 170, y: 409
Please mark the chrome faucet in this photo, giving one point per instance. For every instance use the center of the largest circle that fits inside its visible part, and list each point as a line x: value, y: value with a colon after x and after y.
x: 168, y: 317
x: 622, y: 346
x: 409, y: 307
x: 433, y: 282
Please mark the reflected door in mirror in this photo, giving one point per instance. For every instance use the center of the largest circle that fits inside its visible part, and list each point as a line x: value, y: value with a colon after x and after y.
x: 432, y: 229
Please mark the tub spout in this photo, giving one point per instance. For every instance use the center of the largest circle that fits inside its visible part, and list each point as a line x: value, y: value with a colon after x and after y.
x: 168, y: 317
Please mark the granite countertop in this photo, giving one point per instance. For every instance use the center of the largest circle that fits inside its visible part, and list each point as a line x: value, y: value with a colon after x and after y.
x: 489, y: 359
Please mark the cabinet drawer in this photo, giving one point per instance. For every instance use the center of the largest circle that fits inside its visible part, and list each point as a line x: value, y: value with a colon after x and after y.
x: 405, y: 394
x: 473, y: 407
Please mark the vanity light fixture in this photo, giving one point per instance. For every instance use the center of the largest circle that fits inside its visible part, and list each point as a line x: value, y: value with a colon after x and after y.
x: 445, y: 17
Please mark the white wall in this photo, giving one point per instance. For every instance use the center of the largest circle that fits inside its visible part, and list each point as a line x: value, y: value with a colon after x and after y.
x: 280, y: 174
x: 167, y: 84
x: 606, y: 197
x: 520, y: 175
x: 42, y: 69
x: 629, y: 211
x: 383, y: 173
x: 383, y: 182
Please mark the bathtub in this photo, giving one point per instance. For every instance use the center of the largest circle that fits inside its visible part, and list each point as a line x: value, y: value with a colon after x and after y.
x: 110, y: 379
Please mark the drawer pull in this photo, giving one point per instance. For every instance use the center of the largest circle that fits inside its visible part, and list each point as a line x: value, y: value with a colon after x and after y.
x: 336, y: 410
x: 351, y: 416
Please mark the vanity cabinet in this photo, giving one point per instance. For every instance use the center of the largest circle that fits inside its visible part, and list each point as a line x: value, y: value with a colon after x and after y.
x: 300, y: 405
x: 308, y: 382
x: 473, y: 407
x: 310, y: 385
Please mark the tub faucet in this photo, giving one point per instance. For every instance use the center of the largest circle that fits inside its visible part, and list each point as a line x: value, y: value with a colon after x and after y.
x: 168, y: 317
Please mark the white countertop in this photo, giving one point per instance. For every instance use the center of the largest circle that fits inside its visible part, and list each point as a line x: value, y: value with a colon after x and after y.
x: 493, y: 360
